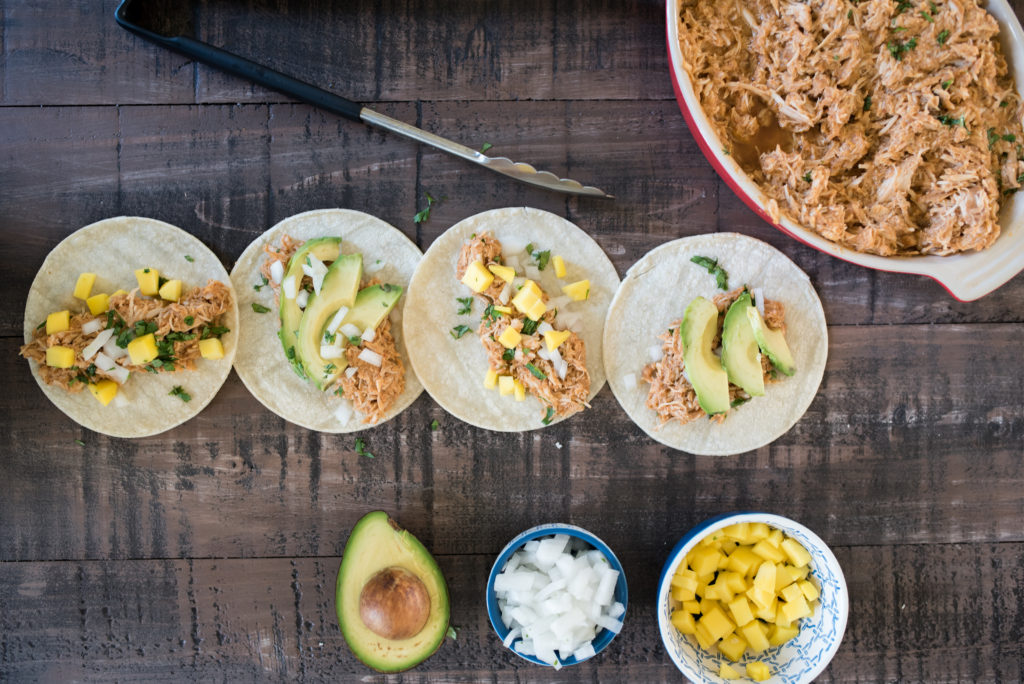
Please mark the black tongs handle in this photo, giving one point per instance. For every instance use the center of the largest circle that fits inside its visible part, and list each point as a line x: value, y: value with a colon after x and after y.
x: 240, y: 66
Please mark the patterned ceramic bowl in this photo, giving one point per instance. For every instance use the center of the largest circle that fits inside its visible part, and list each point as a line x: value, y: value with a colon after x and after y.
x: 797, y: 661
x: 621, y: 594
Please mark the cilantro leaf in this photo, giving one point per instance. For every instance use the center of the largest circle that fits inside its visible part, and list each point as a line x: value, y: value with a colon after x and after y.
x: 259, y: 308
x: 721, y: 277
x: 180, y: 393
x: 361, y: 449
x: 465, y: 305
x: 459, y: 330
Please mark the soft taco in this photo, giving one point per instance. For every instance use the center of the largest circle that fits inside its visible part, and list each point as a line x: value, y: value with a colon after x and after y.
x: 130, y: 326
x: 321, y: 296
x: 504, y: 319
x: 715, y: 344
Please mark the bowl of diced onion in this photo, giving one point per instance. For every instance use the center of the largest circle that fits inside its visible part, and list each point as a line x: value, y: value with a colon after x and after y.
x: 556, y: 595
x: 793, y: 648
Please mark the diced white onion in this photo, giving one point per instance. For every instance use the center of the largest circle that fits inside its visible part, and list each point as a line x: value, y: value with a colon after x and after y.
x: 302, y: 299
x: 335, y: 323
x: 350, y: 371
x: 583, y: 652
x: 330, y: 351
x: 616, y: 610
x: 316, y: 270
x: 654, y: 351
x: 97, y: 344
x: 505, y: 294
x: 543, y: 353
x: 113, y: 351
x: 93, y: 326
x: 349, y: 330
x: 371, y: 357
x: 104, y: 362
x: 375, y: 266
x: 513, y: 263
x: 369, y: 334
x: 562, y: 368
x: 758, y: 294
x: 344, y: 411
x: 629, y: 380
x: 531, y: 272
x: 120, y: 375
x: 288, y: 287
x: 512, y: 635
x: 544, y: 327
x: 513, y: 244
x: 276, y: 272
x: 559, y: 302
x: 556, y: 357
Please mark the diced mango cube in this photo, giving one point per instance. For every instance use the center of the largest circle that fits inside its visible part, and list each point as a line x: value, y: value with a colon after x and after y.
x: 781, y: 635
x: 768, y: 552
x: 98, y: 303
x: 798, y: 555
x: 537, y: 309
x: 491, y: 379
x: 691, y: 606
x: 477, y: 278
x: 519, y: 391
x: 756, y: 636
x: 717, y: 623
x: 774, y: 538
x: 529, y: 294
x: 794, y: 610
x: 785, y: 575
x: 726, y: 672
x: 736, y: 583
x: 704, y: 561
x: 171, y: 291
x: 506, y: 385
x: 578, y: 291
x: 732, y: 647
x: 740, y: 610
x: 703, y: 636
x: 684, y: 622
x: 554, y: 338
x: 810, y: 591
x: 104, y: 391
x: 559, y: 265
x: 792, y: 593
x: 506, y: 273
x: 765, y: 578
x: 149, y: 281
x: 707, y: 605
x: 768, y: 613
x: 761, y: 597
x: 701, y: 589
x: 211, y: 348
x: 758, y: 531
x: 83, y: 287
x: 744, y: 561
x: 533, y: 288
x: 509, y: 337
x: 739, y: 532
x: 507, y: 310
x: 60, y: 357
x: 684, y: 577
x: 719, y: 591
x: 758, y: 671
x: 143, y: 349
x: 682, y: 594
x: 58, y: 321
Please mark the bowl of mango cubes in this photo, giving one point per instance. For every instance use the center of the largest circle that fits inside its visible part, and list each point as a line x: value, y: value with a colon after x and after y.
x: 754, y: 597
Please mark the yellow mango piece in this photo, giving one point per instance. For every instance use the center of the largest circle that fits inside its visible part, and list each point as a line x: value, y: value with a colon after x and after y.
x: 519, y: 391
x: 143, y: 349
x: 744, y: 561
x: 211, y: 348
x: 83, y: 287
x: 60, y: 357
x: 765, y: 578
x: 768, y: 552
x: 477, y: 278
x: 58, y: 321
x: 736, y: 583
x: 774, y: 538
x: 791, y: 593
x: 739, y: 532
x: 684, y: 577
x: 118, y: 292
x: 104, y: 391
x: 768, y: 613
x: 810, y: 591
x: 509, y: 337
x: 781, y: 635
x: 491, y: 379
x: 578, y: 291
x: 170, y: 291
x: 785, y: 575
x: 759, y: 531
x: 506, y: 385
x: 719, y: 592
x: 798, y: 555
x: 704, y: 561
x: 506, y: 273
x: 684, y: 622
x: 728, y: 546
x: 149, y: 281
x: 559, y: 265
x: 726, y: 672
x: 682, y: 594
x: 692, y: 607
x: 704, y: 638
x: 554, y: 338
x: 717, y: 623
x: 98, y: 303
x: 507, y: 310
x: 702, y: 588
x: 537, y: 309
x: 762, y: 598
x: 707, y: 605
x: 732, y: 647
x: 740, y: 610
x: 529, y: 294
x: 756, y: 636
x: 758, y: 671
x: 781, y: 621
x: 534, y: 289
x: 794, y: 610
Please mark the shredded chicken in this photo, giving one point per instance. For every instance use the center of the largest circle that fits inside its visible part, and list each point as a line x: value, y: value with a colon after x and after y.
x: 671, y: 395
x: 888, y: 126
x: 374, y: 389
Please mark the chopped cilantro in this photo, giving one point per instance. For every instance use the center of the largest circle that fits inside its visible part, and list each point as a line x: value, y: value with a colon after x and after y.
x: 1009, y: 137
x: 537, y: 372
x: 459, y: 330
x: 721, y: 277
x: 189, y: 259
x: 529, y: 248
x: 79, y: 442
x: 180, y: 393
x: 738, y: 401
x: 258, y: 286
x: 993, y: 138
x: 424, y: 214
x: 329, y: 368
x: 145, y: 270
x: 361, y: 449
x: 486, y: 146
x: 434, y: 425
x: 902, y: 6
x: 899, y: 48
x: 43, y: 324
x: 91, y: 370
x: 207, y: 332
x: 725, y: 151
x: 339, y: 392
x: 927, y: 15
x: 948, y: 120
x: 355, y: 340
x: 179, y: 336
x: 867, y: 103
x: 189, y: 320
x: 807, y: 177
x: 1004, y: 103
x: 945, y: 84
x: 548, y: 416
x: 508, y: 355
x: 490, y: 314
x: 849, y: 15
x: 144, y: 328
x: 529, y: 326
x: 541, y: 258
x: 942, y: 37
x: 465, y: 305
x: 329, y: 337
x: 259, y: 308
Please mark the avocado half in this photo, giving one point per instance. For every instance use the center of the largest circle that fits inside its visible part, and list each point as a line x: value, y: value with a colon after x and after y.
x: 391, y: 597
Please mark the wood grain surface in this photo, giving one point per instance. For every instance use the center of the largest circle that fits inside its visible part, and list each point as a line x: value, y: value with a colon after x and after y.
x: 210, y: 552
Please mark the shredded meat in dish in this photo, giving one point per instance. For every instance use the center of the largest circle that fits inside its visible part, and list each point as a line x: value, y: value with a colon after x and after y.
x: 671, y: 395
x: 888, y: 126
x: 564, y: 396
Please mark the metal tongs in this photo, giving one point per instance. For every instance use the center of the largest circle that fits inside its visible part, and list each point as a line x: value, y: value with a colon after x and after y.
x: 275, y: 80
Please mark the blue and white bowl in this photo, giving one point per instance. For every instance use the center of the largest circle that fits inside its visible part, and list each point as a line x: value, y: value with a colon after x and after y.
x: 797, y: 661
x: 621, y: 594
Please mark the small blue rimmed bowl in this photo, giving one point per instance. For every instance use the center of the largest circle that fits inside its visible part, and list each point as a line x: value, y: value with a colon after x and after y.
x: 621, y: 594
x: 799, y: 660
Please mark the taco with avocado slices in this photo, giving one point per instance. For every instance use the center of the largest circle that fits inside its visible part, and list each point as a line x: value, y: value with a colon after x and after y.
x: 715, y: 344
x: 321, y: 296
x: 130, y: 326
x: 504, y: 319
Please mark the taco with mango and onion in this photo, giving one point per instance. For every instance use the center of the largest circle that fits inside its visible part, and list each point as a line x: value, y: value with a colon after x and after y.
x: 321, y: 299
x: 715, y: 344
x: 504, y: 319
x: 130, y: 326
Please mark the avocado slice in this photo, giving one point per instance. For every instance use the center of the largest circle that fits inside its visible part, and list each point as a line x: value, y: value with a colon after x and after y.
x: 771, y: 342
x: 703, y: 368
x: 391, y: 598
x: 739, y: 348
x: 325, y: 249
x: 339, y: 289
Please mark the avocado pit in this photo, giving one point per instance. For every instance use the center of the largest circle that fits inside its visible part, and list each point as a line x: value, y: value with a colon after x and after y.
x: 394, y: 604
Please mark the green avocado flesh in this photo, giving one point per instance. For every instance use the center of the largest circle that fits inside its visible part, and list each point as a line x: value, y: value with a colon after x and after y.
x: 377, y: 544
x: 326, y: 250
x: 339, y: 289
x: 771, y: 342
x: 739, y: 348
x: 703, y: 368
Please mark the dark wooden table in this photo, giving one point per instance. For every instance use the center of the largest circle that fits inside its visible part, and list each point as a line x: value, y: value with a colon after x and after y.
x: 210, y: 552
